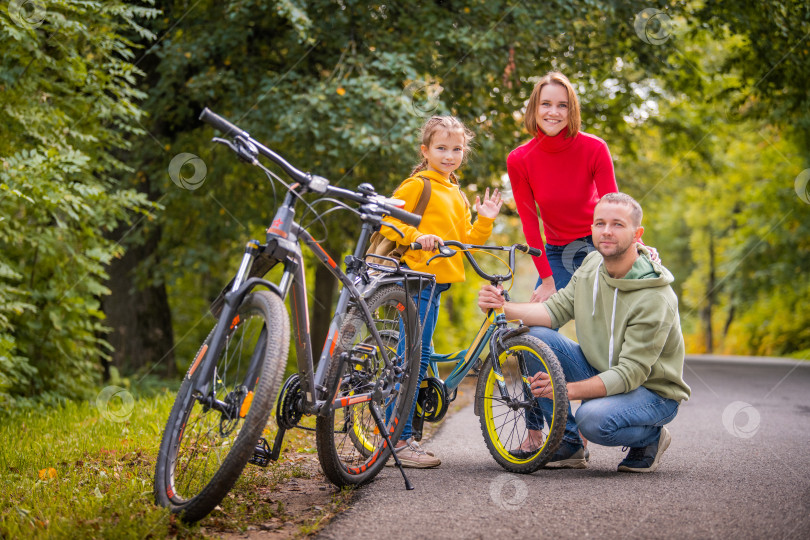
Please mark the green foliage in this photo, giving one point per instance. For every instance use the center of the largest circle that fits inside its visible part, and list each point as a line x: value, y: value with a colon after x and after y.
x: 716, y: 176
x: 67, y: 103
x: 340, y: 88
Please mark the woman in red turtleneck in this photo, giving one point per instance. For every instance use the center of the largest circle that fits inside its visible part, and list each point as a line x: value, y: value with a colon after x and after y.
x: 563, y: 172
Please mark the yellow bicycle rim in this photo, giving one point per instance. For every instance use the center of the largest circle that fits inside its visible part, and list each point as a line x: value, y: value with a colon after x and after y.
x: 492, y: 395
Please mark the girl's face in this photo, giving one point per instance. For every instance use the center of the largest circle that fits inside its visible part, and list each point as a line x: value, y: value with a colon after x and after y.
x: 445, y: 153
x: 552, y: 113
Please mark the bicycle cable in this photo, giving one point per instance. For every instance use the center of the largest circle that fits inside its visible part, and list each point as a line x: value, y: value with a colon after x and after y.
x: 274, y: 176
x: 339, y: 205
x: 506, y: 264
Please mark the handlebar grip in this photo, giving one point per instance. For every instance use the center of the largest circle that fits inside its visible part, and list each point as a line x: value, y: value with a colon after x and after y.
x: 535, y: 252
x: 416, y: 246
x: 406, y: 217
x: 215, y: 120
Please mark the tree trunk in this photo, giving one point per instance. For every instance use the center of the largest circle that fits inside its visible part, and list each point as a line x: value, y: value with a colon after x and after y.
x: 140, y: 318
x: 320, y: 312
x: 708, y: 306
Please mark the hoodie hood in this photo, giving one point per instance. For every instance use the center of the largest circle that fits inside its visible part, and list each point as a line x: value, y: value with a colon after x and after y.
x: 645, y: 273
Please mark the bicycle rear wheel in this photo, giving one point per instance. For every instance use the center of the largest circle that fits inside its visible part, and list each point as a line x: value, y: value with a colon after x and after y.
x: 503, y: 418
x: 351, y: 448
x: 204, y: 447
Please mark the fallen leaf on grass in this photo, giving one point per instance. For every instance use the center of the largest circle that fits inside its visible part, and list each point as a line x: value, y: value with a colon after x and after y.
x: 47, y: 473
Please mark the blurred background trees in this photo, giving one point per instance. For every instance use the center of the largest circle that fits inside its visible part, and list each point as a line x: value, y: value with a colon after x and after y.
x: 108, y: 265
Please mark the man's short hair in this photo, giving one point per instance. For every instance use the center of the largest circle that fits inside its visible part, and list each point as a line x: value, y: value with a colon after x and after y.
x: 623, y: 198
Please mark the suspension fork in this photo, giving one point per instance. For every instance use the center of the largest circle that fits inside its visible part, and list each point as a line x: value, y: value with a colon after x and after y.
x: 205, y: 360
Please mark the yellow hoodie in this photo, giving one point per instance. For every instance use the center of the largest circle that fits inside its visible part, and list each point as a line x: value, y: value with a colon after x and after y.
x: 447, y: 216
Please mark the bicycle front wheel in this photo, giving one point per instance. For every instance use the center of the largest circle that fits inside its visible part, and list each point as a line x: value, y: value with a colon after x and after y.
x: 351, y: 448
x: 209, y: 438
x: 507, y: 416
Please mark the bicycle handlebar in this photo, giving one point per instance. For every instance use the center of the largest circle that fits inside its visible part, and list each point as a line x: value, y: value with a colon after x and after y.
x: 374, y: 203
x: 445, y: 251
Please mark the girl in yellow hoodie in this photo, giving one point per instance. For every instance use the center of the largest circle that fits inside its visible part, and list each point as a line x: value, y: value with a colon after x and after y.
x: 445, y: 143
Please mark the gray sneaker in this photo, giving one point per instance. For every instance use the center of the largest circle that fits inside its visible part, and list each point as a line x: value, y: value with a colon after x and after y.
x: 569, y: 456
x: 646, y: 458
x: 414, y: 456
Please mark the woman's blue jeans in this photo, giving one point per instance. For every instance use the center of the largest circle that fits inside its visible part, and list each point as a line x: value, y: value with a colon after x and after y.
x: 564, y: 260
x: 633, y: 419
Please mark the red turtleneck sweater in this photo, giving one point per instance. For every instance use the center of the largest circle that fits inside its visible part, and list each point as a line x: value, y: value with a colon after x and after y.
x: 563, y: 177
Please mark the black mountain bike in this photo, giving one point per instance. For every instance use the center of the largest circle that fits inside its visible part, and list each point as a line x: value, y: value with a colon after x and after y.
x: 364, y: 381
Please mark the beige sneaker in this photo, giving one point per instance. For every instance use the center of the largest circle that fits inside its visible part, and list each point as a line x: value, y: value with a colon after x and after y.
x: 414, y: 456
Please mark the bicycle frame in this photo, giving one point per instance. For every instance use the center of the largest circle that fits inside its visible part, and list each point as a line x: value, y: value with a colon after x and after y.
x: 465, y: 358
x: 283, y: 245
x: 491, y: 332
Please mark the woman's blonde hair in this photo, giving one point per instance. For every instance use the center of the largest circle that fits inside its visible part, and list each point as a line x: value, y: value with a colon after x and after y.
x: 451, y: 124
x: 574, y: 118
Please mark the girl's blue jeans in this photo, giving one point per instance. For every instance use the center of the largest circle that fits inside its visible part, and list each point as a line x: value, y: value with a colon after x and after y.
x: 633, y: 419
x: 430, y: 305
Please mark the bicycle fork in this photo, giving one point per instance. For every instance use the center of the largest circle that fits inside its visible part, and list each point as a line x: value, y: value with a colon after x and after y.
x: 496, y: 348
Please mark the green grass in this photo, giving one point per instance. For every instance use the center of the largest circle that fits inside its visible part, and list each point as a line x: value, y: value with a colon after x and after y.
x: 80, y: 472
x: 102, y: 468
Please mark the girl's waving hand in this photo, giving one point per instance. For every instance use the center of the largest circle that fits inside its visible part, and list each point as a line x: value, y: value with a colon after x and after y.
x: 491, y: 205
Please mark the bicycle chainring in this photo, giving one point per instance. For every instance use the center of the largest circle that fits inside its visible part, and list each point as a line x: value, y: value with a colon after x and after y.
x: 432, y: 399
x: 290, y: 406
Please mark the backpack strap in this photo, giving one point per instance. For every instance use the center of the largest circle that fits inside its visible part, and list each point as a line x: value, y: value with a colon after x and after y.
x: 424, y: 197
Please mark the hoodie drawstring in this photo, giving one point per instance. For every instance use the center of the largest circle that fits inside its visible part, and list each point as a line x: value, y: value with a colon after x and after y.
x: 612, y: 316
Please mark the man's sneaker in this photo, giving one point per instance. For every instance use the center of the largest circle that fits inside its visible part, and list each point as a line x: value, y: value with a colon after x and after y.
x: 569, y: 456
x: 646, y: 458
x: 414, y: 456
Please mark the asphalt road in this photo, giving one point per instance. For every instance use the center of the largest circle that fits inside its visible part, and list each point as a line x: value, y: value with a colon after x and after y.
x: 738, y: 466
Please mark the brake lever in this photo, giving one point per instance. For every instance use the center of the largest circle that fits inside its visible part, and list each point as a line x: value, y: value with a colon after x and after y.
x: 244, y: 150
x: 227, y: 143
x: 396, y: 229
x: 444, y: 251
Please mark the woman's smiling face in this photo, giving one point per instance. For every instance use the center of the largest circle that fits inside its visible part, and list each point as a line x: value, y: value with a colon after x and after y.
x: 552, y: 112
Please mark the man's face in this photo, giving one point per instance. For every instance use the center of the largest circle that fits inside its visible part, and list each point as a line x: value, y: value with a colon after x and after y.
x: 613, y: 230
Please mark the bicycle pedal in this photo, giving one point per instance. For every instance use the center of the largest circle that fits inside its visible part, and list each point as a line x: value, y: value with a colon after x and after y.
x: 262, y: 454
x: 360, y: 354
x: 364, y: 348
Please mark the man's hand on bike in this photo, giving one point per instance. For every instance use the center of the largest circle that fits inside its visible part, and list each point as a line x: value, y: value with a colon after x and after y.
x: 490, y: 297
x: 429, y: 242
x: 540, y: 384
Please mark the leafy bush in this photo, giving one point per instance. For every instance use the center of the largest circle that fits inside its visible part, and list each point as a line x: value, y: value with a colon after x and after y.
x: 67, y: 102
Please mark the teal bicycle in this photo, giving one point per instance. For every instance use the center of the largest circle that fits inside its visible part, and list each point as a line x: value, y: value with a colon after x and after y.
x: 498, y: 356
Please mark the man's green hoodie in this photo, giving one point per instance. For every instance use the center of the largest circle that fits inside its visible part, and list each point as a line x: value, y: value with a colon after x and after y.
x: 628, y: 328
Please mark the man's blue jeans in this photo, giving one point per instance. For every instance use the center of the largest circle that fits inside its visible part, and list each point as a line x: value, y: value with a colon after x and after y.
x: 632, y: 419
x: 424, y: 303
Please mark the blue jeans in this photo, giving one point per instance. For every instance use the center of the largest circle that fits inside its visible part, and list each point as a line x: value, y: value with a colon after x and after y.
x: 424, y: 303
x: 632, y: 419
x: 564, y: 260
